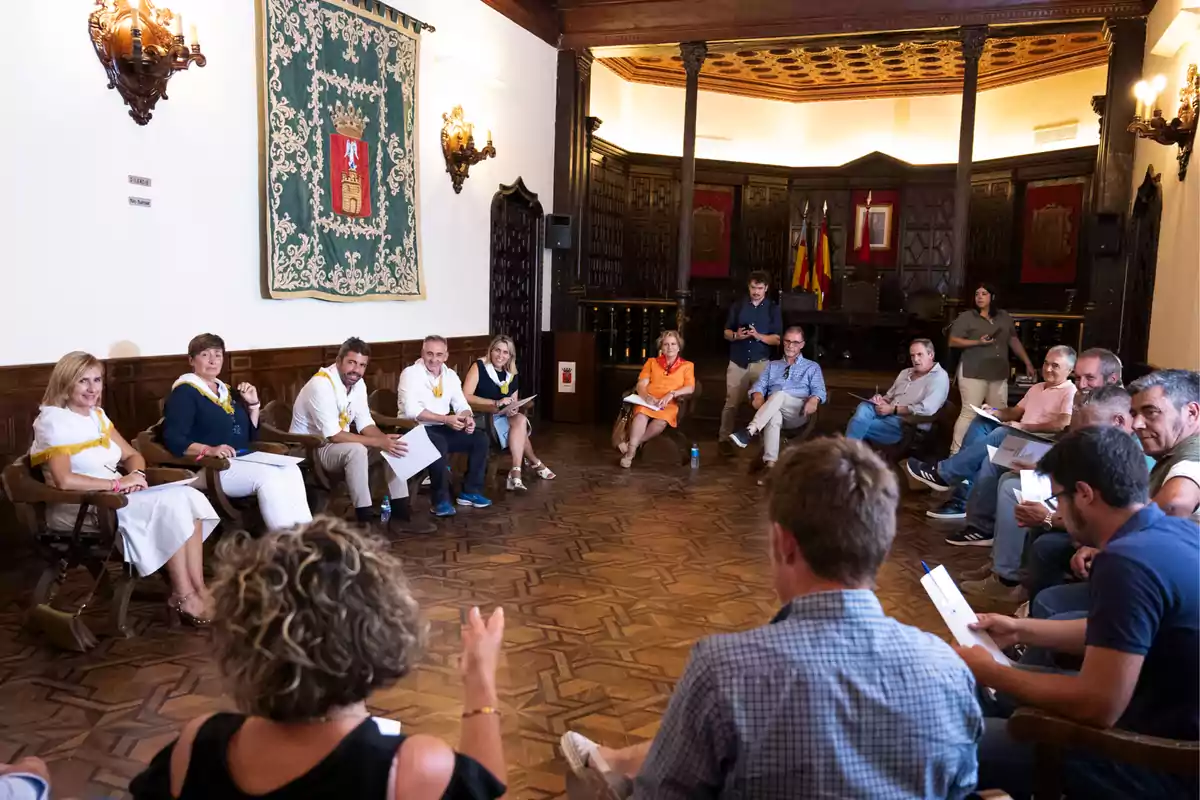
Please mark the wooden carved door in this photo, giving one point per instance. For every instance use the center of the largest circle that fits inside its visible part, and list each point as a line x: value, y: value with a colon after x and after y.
x: 1141, y: 261
x: 516, y: 282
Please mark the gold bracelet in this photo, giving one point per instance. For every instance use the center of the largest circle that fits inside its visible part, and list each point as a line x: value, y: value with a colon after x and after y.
x: 483, y: 710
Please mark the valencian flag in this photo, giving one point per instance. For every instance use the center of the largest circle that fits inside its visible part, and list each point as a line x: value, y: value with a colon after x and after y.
x: 800, y: 273
x: 864, y: 247
x: 821, y: 269
x: 349, y: 172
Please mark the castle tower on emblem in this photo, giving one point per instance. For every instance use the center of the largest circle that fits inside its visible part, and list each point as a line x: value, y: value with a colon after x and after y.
x: 350, y: 184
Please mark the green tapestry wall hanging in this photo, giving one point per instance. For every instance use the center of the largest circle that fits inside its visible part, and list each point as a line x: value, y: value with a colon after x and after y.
x: 340, y: 97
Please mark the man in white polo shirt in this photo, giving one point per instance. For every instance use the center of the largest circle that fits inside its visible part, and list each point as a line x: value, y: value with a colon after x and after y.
x: 431, y: 393
x: 327, y: 405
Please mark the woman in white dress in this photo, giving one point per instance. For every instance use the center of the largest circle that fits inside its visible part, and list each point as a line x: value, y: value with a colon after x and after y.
x: 79, y: 450
x: 205, y: 417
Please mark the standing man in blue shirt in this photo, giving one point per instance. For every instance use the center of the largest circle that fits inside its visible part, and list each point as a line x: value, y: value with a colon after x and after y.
x: 786, y: 394
x: 1140, y: 642
x: 752, y: 329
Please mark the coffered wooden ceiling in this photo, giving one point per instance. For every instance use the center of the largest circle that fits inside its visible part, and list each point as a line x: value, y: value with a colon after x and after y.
x: 579, y: 24
x: 863, y: 67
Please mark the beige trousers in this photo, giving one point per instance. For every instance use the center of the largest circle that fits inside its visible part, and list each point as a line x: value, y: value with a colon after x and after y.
x: 977, y: 392
x: 780, y: 410
x: 737, y: 389
x: 354, y: 461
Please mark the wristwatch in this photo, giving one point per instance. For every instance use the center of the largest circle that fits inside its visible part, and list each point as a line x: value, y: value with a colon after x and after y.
x: 1048, y: 522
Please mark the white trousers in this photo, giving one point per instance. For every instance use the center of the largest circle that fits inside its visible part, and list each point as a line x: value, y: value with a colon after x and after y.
x: 280, y: 491
x: 975, y: 392
x: 354, y: 461
x: 780, y: 410
x: 738, y: 381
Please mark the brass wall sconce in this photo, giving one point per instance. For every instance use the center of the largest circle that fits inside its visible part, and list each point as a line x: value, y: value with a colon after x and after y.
x: 141, y: 47
x: 458, y: 145
x: 1149, y: 122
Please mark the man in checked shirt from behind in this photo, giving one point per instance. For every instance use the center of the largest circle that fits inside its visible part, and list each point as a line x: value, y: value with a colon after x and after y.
x: 831, y: 699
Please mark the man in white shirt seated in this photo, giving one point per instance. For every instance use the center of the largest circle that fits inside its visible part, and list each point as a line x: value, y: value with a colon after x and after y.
x: 431, y: 393
x: 920, y: 390
x: 327, y: 405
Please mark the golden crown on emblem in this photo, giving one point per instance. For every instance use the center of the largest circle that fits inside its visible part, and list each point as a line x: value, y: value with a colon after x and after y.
x: 348, y: 121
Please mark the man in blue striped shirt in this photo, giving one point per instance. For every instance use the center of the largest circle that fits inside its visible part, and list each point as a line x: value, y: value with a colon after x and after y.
x: 784, y: 396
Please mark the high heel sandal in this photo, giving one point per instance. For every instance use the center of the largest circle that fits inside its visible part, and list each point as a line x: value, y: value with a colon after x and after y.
x: 179, y: 615
x: 514, y: 482
x: 543, y: 471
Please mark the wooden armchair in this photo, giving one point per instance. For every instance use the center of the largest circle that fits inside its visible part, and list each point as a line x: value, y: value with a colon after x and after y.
x: 912, y: 437
x: 787, y: 438
x: 64, y: 550
x: 679, y: 437
x: 273, y: 425
x: 1052, y: 736
x: 149, y: 444
x: 384, y: 404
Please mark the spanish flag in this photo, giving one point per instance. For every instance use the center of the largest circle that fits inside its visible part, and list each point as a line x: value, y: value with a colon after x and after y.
x: 800, y: 273
x: 822, y: 276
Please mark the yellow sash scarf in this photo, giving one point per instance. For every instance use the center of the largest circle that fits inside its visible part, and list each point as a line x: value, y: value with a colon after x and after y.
x: 224, y: 399
x: 343, y: 413
x: 104, y: 440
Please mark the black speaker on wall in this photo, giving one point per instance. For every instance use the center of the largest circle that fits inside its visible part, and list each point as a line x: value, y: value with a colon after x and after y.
x: 1106, y: 235
x: 558, y: 231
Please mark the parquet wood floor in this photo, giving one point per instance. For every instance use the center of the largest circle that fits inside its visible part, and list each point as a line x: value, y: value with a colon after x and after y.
x: 607, y: 577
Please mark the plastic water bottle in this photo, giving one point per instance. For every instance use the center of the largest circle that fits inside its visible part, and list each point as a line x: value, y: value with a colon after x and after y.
x: 695, y: 456
x: 385, y: 509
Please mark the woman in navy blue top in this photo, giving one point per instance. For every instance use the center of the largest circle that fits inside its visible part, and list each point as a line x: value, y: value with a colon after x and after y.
x: 204, y: 417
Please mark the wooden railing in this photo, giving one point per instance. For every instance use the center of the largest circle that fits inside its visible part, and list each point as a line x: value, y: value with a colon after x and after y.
x: 1039, y: 331
x: 626, y: 330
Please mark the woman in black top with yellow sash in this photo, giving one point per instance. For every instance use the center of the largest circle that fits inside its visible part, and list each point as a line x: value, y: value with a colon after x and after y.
x: 491, y: 388
x: 204, y: 417
x: 309, y: 623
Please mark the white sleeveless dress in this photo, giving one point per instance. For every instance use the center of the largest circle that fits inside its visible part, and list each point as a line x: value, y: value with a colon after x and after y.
x: 153, y: 526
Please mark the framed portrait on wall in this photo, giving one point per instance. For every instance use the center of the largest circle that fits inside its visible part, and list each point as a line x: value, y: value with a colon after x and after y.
x: 875, y: 224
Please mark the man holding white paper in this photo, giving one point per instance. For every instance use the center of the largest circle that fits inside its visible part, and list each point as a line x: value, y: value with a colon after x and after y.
x: 334, y: 400
x: 432, y: 394
x: 920, y: 390
x: 1140, y: 642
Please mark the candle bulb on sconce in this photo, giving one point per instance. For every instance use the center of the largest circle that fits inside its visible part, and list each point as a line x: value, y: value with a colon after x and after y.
x: 1151, y: 123
x: 177, y: 26
x: 195, y: 38
x: 458, y: 147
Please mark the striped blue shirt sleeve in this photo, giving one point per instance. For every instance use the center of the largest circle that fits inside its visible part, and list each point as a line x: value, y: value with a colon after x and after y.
x: 816, y: 383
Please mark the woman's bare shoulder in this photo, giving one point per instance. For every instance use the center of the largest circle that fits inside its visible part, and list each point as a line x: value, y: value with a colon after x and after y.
x: 424, y: 766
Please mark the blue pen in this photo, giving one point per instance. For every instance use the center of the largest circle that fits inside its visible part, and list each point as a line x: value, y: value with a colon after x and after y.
x: 926, y: 566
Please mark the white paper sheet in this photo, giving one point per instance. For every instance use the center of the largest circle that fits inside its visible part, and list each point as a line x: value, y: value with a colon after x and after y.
x: 421, y: 453
x: 270, y: 459
x: 985, y: 414
x: 524, y: 401
x: 161, y: 486
x: 1035, y: 487
x: 957, y: 613
x: 637, y: 401
x: 1016, y: 448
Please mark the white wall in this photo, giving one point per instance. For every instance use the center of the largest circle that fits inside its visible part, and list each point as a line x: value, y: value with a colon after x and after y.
x: 1175, y: 314
x: 84, y: 270
x: 921, y: 130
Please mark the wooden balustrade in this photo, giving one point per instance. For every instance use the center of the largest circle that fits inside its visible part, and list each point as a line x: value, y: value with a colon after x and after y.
x: 626, y: 330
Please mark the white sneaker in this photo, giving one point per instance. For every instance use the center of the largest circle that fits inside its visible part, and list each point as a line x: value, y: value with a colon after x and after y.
x: 581, y: 752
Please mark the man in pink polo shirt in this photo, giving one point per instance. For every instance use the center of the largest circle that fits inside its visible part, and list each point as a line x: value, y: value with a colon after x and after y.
x: 1045, y: 408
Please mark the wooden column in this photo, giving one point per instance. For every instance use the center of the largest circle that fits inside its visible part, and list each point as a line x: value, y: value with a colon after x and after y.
x: 972, y: 49
x: 693, y: 56
x: 1112, y: 182
x: 567, y: 276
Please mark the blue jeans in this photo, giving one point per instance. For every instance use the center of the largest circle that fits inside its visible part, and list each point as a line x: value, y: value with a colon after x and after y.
x: 1049, y: 561
x: 963, y: 465
x: 992, y: 509
x: 867, y: 425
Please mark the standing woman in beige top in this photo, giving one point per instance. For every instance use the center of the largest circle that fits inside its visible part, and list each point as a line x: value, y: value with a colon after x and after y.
x: 984, y: 334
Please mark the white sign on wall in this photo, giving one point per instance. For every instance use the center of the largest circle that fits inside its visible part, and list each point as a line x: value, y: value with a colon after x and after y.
x: 566, y: 377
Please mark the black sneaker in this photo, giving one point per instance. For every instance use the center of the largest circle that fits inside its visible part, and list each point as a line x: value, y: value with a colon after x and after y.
x: 951, y: 509
x: 741, y: 438
x: 926, y: 474
x: 970, y: 537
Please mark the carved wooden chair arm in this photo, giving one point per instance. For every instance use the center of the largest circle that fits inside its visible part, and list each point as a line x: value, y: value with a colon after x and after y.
x: 275, y: 448
x: 397, y: 423
x: 308, y: 441
x: 1167, y: 755
x: 918, y: 419
x: 160, y: 475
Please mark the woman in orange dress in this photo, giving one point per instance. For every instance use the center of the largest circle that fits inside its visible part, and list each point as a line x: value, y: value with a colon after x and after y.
x: 661, y: 382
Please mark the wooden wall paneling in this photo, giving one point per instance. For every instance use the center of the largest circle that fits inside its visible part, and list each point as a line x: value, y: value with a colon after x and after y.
x: 926, y: 238
x: 764, y: 223
x: 652, y: 233
x: 990, y: 240
x: 609, y: 188
x: 517, y: 245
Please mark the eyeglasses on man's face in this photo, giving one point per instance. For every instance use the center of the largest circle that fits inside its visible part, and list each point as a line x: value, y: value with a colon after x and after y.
x: 796, y: 342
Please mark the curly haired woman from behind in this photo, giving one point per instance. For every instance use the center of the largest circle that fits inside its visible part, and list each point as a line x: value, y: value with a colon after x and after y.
x: 310, y: 621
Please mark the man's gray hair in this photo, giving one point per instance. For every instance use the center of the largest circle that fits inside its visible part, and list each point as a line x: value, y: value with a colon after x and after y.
x: 1065, y: 350
x: 927, y: 344
x: 1110, y: 364
x: 1109, y: 397
x: 1181, y: 386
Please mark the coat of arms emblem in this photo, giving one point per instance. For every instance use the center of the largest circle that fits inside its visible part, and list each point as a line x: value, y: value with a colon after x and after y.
x: 1052, y: 235
x: 350, y: 176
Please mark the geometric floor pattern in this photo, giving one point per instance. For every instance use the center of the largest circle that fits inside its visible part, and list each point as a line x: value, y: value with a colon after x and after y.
x: 607, y: 578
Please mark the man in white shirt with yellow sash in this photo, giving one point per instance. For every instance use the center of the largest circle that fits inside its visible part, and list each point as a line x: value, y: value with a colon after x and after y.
x: 328, y: 404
